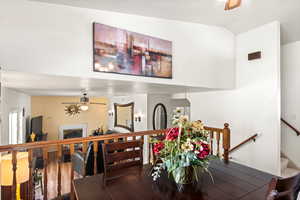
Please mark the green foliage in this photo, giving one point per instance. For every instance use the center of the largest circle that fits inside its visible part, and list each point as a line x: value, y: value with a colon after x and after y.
x: 186, y: 146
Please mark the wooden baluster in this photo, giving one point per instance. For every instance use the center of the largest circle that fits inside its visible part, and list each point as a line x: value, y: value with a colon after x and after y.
x: 211, y: 142
x: 95, y: 156
x: 30, y: 184
x: 45, y: 160
x: 149, y: 149
x: 152, y: 158
x: 218, y: 143
x: 14, y: 168
x: 134, y: 138
x: 84, y: 150
x: 59, y: 160
x: 72, y: 149
x: 226, y: 142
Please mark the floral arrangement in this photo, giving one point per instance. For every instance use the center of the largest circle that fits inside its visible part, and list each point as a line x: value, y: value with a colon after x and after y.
x: 184, y: 152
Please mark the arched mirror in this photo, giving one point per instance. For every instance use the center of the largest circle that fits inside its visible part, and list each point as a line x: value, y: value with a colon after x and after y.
x: 159, y: 119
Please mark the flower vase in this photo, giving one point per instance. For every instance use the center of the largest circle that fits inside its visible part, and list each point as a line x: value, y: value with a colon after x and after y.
x: 184, y: 175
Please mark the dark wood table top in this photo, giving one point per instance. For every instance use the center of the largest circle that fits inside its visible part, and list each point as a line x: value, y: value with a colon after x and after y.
x: 231, y: 181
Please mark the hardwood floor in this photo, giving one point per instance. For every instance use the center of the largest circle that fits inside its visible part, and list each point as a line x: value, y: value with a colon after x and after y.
x: 52, y: 178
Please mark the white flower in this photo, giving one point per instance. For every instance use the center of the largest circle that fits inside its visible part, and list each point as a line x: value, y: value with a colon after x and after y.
x: 187, y: 146
x: 204, y: 142
x: 201, y: 148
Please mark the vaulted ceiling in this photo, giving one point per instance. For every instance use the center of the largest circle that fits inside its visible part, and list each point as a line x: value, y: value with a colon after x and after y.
x: 251, y: 14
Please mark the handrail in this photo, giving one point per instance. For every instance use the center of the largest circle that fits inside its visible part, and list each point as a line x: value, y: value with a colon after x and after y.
x: 33, y: 145
x: 243, y: 143
x: 292, y: 127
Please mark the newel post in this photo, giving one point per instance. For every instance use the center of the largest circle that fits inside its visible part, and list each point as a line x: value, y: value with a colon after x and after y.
x: 226, y: 142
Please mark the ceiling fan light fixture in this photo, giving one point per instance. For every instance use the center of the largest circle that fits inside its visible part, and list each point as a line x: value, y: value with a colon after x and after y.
x: 84, y: 107
x: 231, y: 4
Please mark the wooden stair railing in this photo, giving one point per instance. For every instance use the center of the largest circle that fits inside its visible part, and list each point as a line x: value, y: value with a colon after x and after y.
x: 59, y: 145
x: 216, y: 134
x: 252, y: 138
x: 291, y: 127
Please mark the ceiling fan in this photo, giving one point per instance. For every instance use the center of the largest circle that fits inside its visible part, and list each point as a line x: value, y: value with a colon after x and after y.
x: 83, y: 102
x: 231, y: 4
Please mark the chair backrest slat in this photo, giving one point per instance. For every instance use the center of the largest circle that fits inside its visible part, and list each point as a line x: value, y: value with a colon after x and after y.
x: 122, y: 145
x: 120, y: 156
x: 123, y: 165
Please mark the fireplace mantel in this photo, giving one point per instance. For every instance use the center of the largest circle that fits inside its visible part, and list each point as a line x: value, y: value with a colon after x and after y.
x: 72, y: 126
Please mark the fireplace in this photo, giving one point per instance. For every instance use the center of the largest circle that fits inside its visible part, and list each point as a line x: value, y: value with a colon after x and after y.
x: 72, y: 131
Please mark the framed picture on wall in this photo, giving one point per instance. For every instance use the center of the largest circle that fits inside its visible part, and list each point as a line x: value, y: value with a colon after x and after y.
x: 125, y: 52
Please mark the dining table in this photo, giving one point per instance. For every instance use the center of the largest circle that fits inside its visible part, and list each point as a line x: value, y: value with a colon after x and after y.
x: 230, y: 181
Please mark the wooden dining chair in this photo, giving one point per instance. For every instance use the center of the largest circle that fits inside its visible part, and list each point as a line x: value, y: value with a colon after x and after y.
x: 118, y: 156
x: 284, y: 189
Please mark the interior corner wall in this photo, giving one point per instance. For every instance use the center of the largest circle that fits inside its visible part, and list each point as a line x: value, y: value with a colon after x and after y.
x: 46, y: 38
x: 290, y: 101
x: 254, y: 105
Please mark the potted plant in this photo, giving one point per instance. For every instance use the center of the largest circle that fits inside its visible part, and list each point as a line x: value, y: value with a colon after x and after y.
x: 184, y: 152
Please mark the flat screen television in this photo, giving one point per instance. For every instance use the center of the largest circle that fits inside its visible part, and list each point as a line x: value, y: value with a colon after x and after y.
x: 37, y: 125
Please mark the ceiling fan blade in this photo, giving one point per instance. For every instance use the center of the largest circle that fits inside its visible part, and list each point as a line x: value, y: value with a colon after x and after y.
x: 70, y: 102
x: 98, y: 103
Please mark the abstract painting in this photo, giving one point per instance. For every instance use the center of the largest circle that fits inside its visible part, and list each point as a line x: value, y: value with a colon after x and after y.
x: 125, y: 52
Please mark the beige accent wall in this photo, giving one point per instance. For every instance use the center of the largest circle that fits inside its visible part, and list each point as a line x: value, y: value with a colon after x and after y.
x: 52, y: 110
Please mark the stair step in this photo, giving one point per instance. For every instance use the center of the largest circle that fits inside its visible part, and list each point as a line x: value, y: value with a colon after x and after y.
x: 289, y: 172
x: 284, y: 163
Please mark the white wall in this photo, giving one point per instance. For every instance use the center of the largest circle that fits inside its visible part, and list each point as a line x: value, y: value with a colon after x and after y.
x: 290, y: 100
x: 153, y: 100
x: 56, y: 39
x: 140, y: 107
x: 254, y: 106
x: 11, y: 101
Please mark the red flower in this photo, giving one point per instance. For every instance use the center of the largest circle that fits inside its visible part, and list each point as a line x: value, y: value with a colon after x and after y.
x: 158, y: 147
x: 205, y: 151
x: 172, y: 134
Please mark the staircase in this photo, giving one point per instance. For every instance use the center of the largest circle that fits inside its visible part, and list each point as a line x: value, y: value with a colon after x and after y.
x: 286, y: 169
